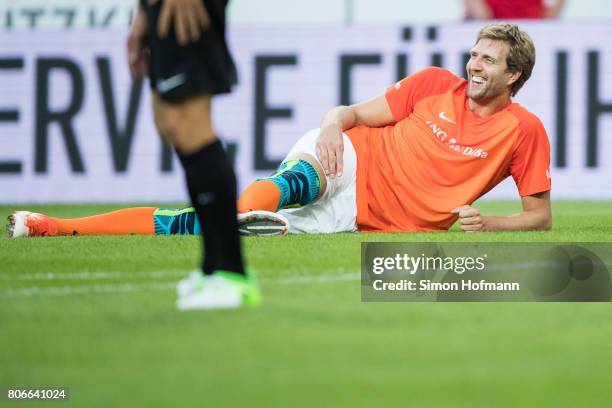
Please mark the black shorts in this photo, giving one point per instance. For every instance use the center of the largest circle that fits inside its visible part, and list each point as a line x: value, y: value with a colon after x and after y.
x: 199, y: 68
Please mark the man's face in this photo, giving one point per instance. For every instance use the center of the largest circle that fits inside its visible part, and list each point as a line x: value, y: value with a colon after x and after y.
x: 487, y: 70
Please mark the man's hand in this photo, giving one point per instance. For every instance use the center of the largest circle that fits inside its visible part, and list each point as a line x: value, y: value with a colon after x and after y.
x: 330, y: 150
x: 536, y: 216
x: 138, y: 51
x: 330, y: 144
x: 189, y: 17
x: 470, y: 218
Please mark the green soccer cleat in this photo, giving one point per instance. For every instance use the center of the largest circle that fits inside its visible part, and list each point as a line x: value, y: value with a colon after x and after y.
x: 221, y: 290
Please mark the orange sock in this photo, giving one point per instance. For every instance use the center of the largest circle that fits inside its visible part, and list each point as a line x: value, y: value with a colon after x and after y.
x: 260, y: 195
x: 138, y: 220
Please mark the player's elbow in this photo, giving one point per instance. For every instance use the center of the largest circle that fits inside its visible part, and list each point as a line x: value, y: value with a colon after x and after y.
x: 545, y: 223
x: 537, y: 221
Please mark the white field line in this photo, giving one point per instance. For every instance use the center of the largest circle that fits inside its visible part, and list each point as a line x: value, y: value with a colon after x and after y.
x: 149, y: 286
x: 100, y: 275
x: 330, y: 275
x: 84, y: 289
x: 179, y: 274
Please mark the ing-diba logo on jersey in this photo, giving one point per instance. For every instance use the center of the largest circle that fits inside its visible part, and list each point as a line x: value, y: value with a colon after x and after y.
x: 452, y: 144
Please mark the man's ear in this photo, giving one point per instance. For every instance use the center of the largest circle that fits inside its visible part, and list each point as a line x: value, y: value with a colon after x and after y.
x: 514, y: 77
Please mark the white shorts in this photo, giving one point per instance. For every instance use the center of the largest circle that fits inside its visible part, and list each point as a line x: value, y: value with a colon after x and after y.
x: 336, y: 209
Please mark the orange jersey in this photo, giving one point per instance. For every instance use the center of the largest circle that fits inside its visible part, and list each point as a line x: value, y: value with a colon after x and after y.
x: 440, y: 155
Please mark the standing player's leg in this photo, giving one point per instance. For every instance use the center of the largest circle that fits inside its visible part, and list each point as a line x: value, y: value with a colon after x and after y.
x: 184, y: 78
x: 210, y: 178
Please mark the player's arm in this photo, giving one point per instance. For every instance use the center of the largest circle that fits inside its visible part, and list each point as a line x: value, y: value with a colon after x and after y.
x: 330, y: 147
x: 536, y: 215
x: 137, y: 48
x: 395, y: 105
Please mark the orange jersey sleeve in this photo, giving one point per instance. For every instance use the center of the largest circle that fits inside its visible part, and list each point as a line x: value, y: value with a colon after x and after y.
x: 530, y: 164
x: 405, y: 94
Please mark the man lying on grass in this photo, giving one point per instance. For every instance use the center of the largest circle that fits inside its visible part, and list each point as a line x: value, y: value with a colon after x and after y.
x: 412, y: 159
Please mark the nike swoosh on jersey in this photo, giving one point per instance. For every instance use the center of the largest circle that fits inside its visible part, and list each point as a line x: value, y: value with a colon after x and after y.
x: 442, y: 116
x: 165, y: 85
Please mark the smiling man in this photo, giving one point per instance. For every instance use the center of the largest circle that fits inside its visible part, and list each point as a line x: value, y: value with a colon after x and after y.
x: 417, y: 157
x: 412, y: 159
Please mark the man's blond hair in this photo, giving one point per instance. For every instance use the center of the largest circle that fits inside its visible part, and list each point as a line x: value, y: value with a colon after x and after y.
x: 521, y: 56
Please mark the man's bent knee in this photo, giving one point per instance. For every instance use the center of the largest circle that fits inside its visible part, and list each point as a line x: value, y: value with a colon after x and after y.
x: 298, y: 181
x: 315, y: 164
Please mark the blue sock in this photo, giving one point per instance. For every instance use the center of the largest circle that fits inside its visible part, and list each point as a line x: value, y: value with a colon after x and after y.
x: 298, y: 182
x: 181, y: 221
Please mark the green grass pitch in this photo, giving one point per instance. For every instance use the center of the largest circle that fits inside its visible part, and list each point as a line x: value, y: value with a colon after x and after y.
x: 97, y: 315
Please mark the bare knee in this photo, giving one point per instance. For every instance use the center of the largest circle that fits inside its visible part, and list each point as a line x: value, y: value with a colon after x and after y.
x: 167, y: 125
x: 185, y: 125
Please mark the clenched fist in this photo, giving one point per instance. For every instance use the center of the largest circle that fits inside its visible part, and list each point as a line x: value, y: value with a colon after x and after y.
x: 470, y: 218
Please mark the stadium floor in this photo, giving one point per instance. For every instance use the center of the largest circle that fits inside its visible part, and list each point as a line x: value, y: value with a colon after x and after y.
x: 96, y: 315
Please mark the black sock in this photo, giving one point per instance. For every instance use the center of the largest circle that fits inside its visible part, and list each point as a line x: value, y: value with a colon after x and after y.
x: 212, y: 188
